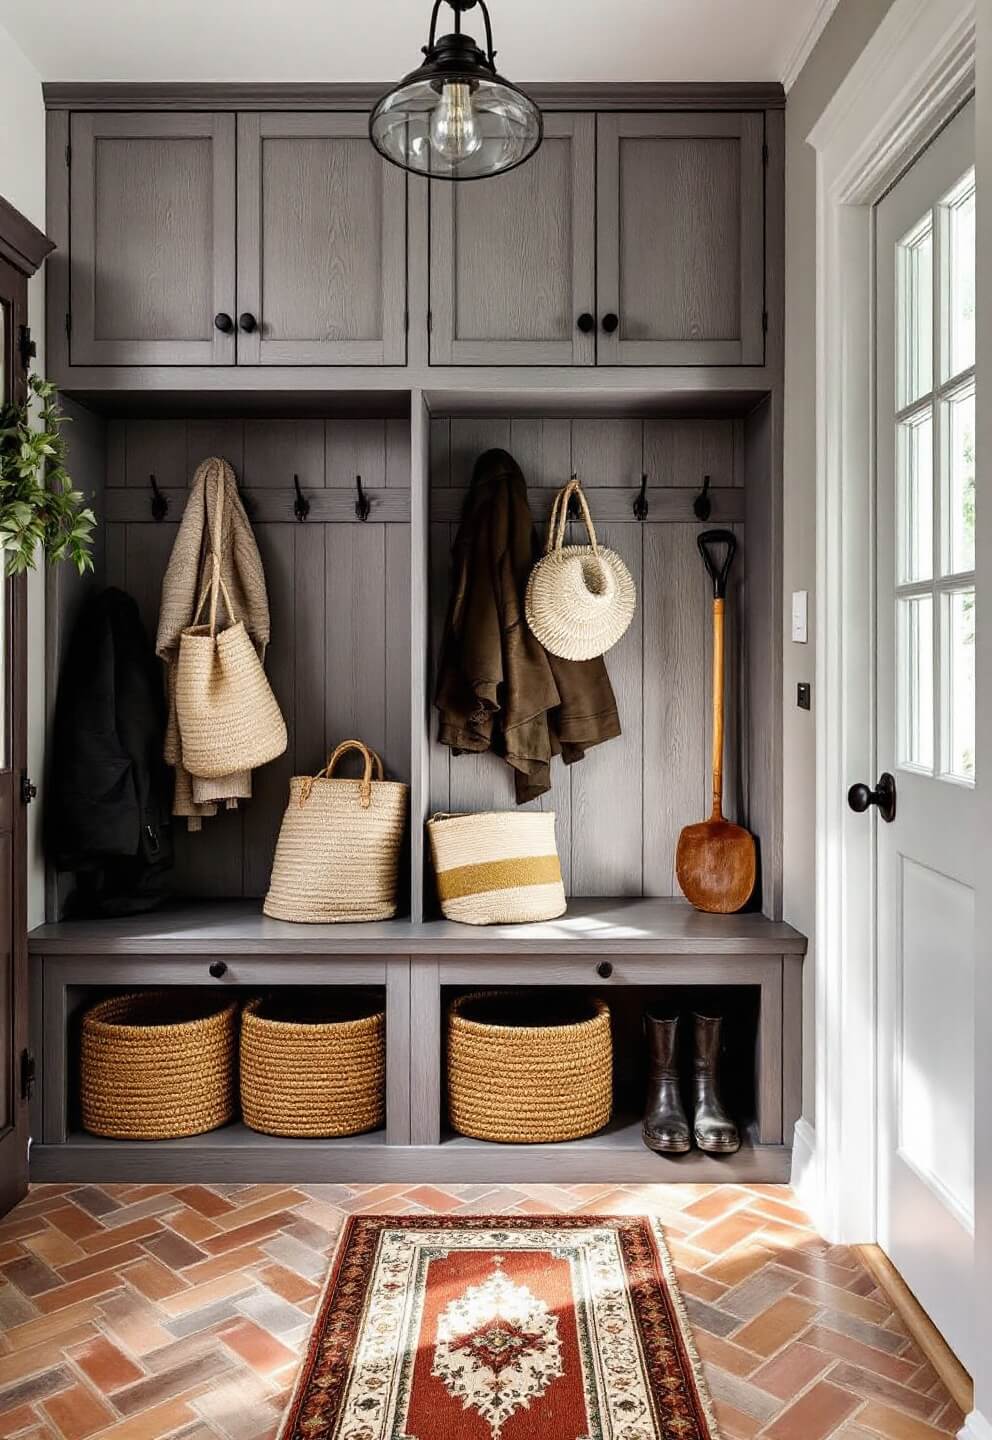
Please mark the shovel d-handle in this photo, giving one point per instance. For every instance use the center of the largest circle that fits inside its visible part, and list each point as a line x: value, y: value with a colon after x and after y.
x: 707, y: 542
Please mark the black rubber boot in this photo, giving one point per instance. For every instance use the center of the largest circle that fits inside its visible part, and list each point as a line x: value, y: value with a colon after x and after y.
x: 665, y: 1128
x: 713, y: 1128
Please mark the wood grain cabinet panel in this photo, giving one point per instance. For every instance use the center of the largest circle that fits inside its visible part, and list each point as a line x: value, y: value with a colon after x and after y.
x: 513, y: 258
x: 680, y: 229
x: 321, y: 243
x: 152, y: 239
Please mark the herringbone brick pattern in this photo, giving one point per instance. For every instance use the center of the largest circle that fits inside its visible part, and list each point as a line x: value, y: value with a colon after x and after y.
x: 144, y: 1311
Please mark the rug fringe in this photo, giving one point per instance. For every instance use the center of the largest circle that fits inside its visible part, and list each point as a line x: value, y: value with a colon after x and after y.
x: 688, y: 1340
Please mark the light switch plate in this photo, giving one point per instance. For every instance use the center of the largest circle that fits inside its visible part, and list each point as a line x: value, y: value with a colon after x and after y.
x: 799, y: 611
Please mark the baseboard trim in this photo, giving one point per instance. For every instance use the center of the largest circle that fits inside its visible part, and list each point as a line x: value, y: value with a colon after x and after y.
x: 975, y: 1427
x: 804, y: 1179
x: 936, y: 1349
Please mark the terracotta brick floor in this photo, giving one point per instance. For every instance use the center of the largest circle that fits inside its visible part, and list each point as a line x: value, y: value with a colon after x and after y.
x: 138, y: 1311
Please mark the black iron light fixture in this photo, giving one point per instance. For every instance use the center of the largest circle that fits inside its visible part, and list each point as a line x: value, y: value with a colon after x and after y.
x: 456, y: 118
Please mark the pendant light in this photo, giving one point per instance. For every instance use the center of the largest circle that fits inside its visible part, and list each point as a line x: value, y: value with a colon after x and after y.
x: 456, y: 118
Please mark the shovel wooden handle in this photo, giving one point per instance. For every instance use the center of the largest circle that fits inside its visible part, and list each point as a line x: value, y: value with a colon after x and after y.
x: 717, y: 813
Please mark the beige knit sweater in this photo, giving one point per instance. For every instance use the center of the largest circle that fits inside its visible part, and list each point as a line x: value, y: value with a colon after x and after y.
x: 185, y: 579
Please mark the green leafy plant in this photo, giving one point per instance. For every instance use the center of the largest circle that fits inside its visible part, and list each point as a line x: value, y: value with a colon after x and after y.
x: 38, y: 505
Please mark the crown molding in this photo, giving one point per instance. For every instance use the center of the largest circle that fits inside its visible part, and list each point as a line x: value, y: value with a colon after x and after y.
x: 21, y: 243
x: 807, y: 42
x: 86, y: 95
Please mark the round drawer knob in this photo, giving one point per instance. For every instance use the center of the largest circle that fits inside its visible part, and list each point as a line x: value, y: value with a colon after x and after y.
x: 610, y: 322
x: 585, y: 322
x: 223, y: 323
x: 218, y: 968
x: 604, y: 969
x: 247, y: 322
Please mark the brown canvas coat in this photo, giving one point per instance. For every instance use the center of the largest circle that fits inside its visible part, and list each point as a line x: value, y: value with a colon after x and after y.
x: 498, y: 689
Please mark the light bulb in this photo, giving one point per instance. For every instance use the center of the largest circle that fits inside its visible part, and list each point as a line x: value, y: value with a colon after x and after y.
x: 455, y: 133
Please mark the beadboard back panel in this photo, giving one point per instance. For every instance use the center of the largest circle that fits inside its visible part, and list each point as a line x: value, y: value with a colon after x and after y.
x: 339, y: 590
x: 619, y: 810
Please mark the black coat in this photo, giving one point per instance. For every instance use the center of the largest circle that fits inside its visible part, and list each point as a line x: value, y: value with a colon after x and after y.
x: 109, y: 797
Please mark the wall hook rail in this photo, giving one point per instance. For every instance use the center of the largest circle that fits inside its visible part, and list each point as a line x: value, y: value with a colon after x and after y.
x: 702, y: 506
x: 160, y: 503
x: 363, y: 505
x: 641, y: 500
x: 301, y: 505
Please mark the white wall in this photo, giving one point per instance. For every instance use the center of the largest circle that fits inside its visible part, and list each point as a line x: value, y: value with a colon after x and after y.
x: 22, y: 182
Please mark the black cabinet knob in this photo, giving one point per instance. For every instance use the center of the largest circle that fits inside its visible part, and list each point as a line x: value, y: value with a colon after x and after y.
x: 223, y: 323
x: 861, y: 796
x: 585, y: 322
x: 218, y: 968
x: 610, y: 322
x: 604, y: 969
x: 247, y: 322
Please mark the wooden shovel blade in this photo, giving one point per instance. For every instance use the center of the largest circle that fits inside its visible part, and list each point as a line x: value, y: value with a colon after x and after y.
x: 716, y: 865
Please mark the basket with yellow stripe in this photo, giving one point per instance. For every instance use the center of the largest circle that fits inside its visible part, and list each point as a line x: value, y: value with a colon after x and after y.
x: 497, y: 868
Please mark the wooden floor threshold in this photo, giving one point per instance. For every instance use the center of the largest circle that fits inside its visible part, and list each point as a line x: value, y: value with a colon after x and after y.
x: 922, y: 1329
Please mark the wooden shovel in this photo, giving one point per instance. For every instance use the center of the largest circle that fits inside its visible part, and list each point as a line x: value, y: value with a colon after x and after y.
x: 715, y: 861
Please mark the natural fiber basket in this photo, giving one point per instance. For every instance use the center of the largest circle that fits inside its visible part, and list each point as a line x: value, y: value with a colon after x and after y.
x: 337, y: 857
x: 497, y: 868
x: 529, y: 1083
x: 315, y: 1074
x: 158, y: 1065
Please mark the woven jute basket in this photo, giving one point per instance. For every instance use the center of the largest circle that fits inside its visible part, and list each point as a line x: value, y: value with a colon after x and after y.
x: 580, y: 599
x: 337, y: 857
x: 529, y: 1083
x: 499, y: 867
x: 314, y: 1073
x: 158, y: 1065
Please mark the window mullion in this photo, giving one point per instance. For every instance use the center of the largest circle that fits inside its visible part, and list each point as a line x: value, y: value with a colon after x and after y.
x: 937, y: 481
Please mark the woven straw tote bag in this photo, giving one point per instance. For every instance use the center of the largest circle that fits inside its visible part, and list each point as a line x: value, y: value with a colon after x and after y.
x: 497, y: 868
x: 337, y: 856
x: 580, y: 598
x: 229, y: 720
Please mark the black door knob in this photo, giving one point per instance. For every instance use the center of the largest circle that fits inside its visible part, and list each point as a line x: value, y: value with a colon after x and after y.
x: 860, y: 796
x: 218, y: 968
x: 585, y: 322
x: 610, y: 322
x: 604, y: 969
x: 223, y: 323
x: 247, y: 322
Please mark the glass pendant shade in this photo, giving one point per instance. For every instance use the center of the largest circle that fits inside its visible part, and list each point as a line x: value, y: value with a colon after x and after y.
x: 455, y: 118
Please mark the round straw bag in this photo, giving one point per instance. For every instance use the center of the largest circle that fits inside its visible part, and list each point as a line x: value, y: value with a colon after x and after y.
x: 337, y: 857
x: 580, y: 598
x: 158, y: 1065
x: 497, y: 868
x: 531, y: 1081
x: 308, y: 1070
x: 229, y: 720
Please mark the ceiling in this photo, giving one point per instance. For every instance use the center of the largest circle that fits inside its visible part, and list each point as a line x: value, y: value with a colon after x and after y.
x: 349, y: 40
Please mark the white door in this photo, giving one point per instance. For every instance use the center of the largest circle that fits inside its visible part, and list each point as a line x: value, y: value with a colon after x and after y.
x: 926, y: 855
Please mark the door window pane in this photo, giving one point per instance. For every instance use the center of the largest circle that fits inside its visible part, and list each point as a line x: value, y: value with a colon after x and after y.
x: 959, y: 684
x: 960, y: 279
x: 914, y: 500
x: 914, y: 314
x: 959, y: 482
x: 914, y: 680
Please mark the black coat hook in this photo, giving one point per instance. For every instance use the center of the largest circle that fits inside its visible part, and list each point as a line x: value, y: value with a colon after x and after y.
x: 160, y: 504
x: 574, y: 512
x: 363, y: 505
x: 702, y: 505
x: 301, y: 505
x: 641, y: 502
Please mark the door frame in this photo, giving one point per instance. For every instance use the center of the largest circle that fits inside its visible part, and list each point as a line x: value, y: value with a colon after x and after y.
x: 913, y: 75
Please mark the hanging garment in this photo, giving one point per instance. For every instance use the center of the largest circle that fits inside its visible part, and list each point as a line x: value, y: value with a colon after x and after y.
x: 497, y: 687
x: 107, y: 813
x: 214, y: 492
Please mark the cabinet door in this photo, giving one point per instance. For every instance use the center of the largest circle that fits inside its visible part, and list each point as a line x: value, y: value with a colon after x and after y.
x: 512, y: 258
x: 321, y: 243
x: 680, y: 220
x: 152, y: 239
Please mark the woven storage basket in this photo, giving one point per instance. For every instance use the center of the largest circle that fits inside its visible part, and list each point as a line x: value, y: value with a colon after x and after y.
x: 580, y: 599
x: 315, y: 1074
x: 337, y: 857
x: 529, y: 1083
x: 499, y: 867
x: 158, y: 1065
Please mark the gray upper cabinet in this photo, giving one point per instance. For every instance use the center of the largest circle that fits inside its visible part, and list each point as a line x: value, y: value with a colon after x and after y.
x: 321, y: 243
x: 680, y: 227
x: 152, y: 239
x: 513, y: 258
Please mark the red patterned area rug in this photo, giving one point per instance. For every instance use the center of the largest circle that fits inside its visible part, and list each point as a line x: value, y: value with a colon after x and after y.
x: 499, y: 1327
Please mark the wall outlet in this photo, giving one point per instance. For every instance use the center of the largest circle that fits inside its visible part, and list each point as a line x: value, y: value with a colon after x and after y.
x: 803, y: 698
x: 800, y: 607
